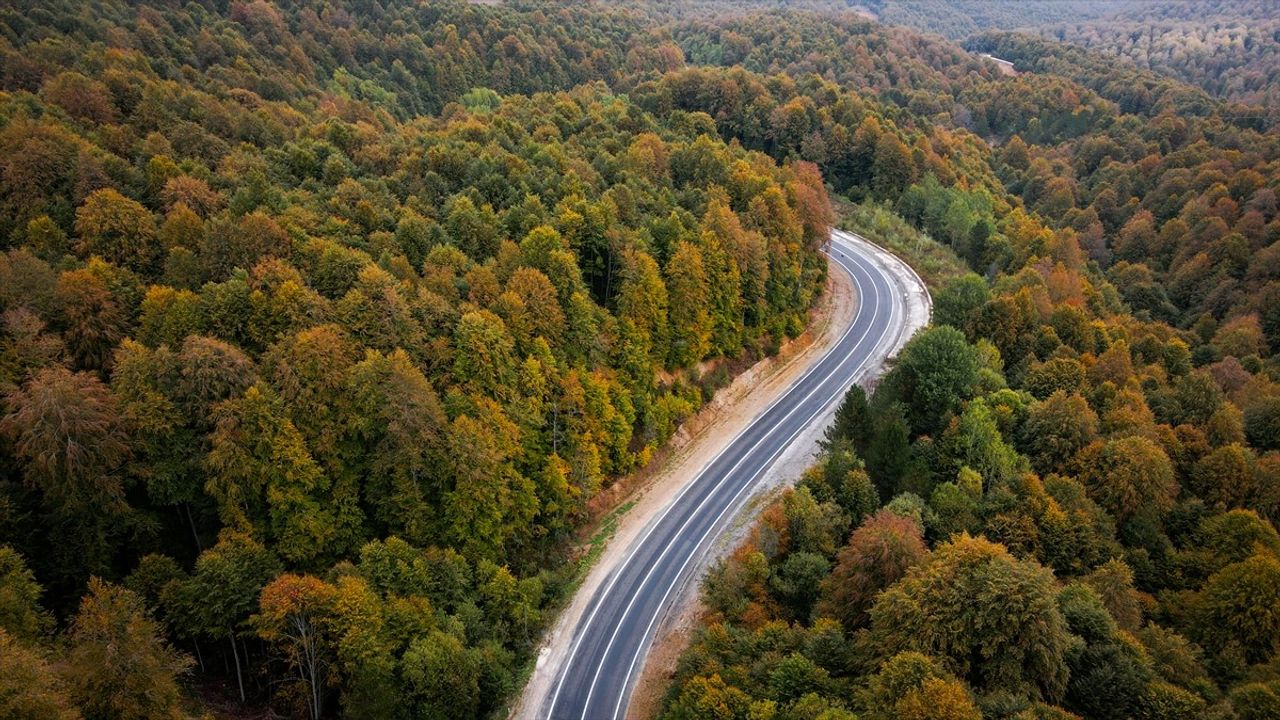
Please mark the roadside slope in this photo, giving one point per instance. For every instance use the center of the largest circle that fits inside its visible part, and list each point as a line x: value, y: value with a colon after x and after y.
x: 738, y: 406
x: 673, y: 633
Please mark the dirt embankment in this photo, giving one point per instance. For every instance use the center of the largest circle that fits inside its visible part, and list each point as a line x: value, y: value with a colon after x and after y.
x: 693, y: 446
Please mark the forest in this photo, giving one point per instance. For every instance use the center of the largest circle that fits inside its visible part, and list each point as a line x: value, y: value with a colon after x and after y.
x: 322, y: 324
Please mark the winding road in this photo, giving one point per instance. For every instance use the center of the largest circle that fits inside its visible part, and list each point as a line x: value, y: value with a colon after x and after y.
x: 611, y: 640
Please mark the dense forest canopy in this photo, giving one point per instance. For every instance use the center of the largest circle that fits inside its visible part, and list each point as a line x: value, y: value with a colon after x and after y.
x: 322, y: 324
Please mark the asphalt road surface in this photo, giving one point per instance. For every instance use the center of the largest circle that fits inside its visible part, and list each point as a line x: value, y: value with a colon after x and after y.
x: 611, y: 641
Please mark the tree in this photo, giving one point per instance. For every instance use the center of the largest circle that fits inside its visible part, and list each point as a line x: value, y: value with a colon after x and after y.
x: 1109, y: 672
x: 484, y: 359
x: 795, y: 676
x: 690, y: 320
x: 264, y: 479
x: 934, y: 372
x: 796, y: 580
x: 1128, y: 476
x: 480, y: 508
x: 852, y: 422
x: 1256, y: 701
x: 292, y: 612
x: 892, y: 169
x: 878, y: 554
x: 1225, y: 477
x: 1235, y: 535
x: 442, y: 678
x: 395, y: 444
x: 643, y: 300
x: 67, y: 434
x: 937, y: 699
x: 1262, y: 423
x: 709, y: 698
x: 1113, y: 581
x: 974, y: 440
x: 226, y: 245
x: 540, y: 301
x: 118, y: 229
x: 1241, y: 604
x: 913, y: 686
x: 473, y: 229
x: 92, y: 317
x: 1056, y: 429
x: 118, y: 663
x: 223, y: 591
x: 959, y: 301
x: 29, y: 687
x: 995, y: 618
x: 20, y: 614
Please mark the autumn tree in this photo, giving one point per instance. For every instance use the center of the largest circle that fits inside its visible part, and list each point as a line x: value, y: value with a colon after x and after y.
x: 1057, y: 429
x: 118, y: 662
x: 29, y: 686
x: 1129, y: 475
x: 878, y: 554
x: 643, y: 300
x: 291, y: 614
x: 691, y: 323
x: 67, y: 434
x: 118, y: 229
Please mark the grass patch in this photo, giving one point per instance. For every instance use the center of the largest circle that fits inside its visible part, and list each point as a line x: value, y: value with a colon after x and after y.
x: 936, y: 263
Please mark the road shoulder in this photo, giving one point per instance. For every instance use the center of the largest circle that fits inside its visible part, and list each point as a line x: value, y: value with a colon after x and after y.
x: 694, y: 445
x: 676, y: 630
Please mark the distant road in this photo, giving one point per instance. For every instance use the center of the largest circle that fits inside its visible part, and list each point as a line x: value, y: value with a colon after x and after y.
x: 611, y: 641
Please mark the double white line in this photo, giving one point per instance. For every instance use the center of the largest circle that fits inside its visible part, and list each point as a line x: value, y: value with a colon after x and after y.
x: 862, y: 297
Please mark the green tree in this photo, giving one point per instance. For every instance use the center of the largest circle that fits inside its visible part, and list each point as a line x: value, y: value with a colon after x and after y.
x: 935, y: 372
x: 1241, y: 603
x: 222, y: 593
x: 1262, y: 423
x: 994, y: 617
x: 118, y: 229
x: 489, y: 499
x: 959, y: 301
x: 852, y: 421
x: 691, y: 322
x: 395, y: 444
x: 20, y: 613
x: 264, y: 479
x: 473, y: 229
x: 441, y: 677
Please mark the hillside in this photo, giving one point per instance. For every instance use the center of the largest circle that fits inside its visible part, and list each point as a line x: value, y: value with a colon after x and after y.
x: 321, y: 325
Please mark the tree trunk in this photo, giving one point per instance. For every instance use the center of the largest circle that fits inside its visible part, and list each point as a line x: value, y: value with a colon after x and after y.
x: 191, y: 521
x: 239, y: 679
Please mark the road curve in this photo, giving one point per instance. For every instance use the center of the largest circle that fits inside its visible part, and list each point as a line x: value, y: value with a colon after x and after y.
x: 611, y: 640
